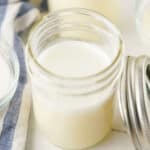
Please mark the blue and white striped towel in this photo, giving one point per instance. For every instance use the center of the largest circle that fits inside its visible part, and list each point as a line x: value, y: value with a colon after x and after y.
x: 15, y: 17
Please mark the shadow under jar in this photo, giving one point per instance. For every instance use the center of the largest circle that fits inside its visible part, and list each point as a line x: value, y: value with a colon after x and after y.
x: 75, y: 59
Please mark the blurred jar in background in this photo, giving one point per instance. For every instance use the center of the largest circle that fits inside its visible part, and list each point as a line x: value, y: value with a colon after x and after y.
x: 143, y: 20
x: 36, y: 3
x: 109, y: 8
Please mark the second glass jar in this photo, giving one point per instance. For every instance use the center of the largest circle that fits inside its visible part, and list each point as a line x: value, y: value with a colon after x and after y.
x: 74, y: 111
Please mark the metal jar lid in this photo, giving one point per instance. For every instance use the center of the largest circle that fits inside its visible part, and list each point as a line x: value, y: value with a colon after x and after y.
x: 134, y: 100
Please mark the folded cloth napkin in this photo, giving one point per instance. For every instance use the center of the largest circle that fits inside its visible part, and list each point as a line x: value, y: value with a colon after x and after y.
x: 15, y: 17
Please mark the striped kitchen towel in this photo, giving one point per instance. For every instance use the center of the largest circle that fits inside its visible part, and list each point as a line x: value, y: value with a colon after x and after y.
x: 15, y: 17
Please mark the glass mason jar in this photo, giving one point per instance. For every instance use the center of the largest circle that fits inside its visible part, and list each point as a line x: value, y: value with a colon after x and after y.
x: 74, y: 112
x: 10, y: 73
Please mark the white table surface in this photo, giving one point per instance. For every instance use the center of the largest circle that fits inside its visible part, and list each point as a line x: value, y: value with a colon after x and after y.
x: 117, y: 140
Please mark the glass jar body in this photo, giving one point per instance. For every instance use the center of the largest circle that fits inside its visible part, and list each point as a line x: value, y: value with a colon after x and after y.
x: 67, y: 123
x: 75, y: 113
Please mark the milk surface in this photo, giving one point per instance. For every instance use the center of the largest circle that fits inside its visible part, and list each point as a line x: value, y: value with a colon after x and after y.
x: 72, y: 122
x: 74, y: 59
x: 4, y: 77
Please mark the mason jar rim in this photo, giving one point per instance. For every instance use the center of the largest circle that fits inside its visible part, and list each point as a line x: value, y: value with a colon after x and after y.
x: 80, y: 11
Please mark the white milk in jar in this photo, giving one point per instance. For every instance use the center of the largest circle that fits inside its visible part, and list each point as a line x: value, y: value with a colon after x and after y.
x: 74, y: 59
x: 74, y: 76
x: 75, y: 123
